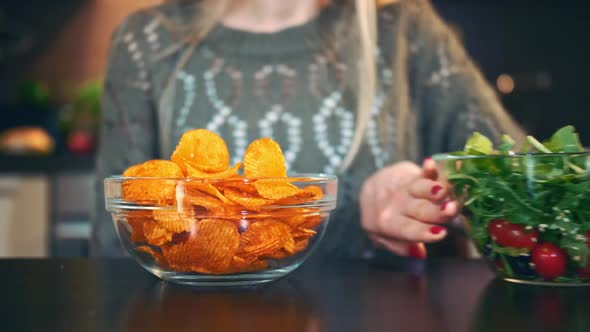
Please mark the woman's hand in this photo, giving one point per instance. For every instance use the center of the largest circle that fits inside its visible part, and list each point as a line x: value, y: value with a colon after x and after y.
x: 404, y: 206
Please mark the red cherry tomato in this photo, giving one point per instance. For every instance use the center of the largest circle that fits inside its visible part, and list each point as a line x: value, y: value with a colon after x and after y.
x: 511, y: 235
x: 550, y: 261
x: 80, y: 142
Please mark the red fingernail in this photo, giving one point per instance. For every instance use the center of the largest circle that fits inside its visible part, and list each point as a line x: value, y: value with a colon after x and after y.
x: 416, y: 252
x: 435, y: 189
x: 436, y: 230
x: 444, y: 204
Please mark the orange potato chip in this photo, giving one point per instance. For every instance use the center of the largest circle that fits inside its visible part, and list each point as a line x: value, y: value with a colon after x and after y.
x: 311, y: 221
x: 161, y: 190
x: 247, y: 200
x: 276, y: 190
x: 241, y: 265
x: 214, y: 243
x: 155, y: 234
x: 173, y: 220
x: 209, y: 249
x: 157, y: 256
x: 137, y: 232
x: 239, y: 186
x: 204, y: 150
x: 265, y: 237
x: 160, y: 168
x: 300, y: 198
x: 206, y: 204
x: 179, y: 257
x: 208, y: 189
x: 192, y: 172
x: 301, y: 245
x: 303, y: 233
x: 264, y: 158
x: 317, y: 192
x: 133, y: 171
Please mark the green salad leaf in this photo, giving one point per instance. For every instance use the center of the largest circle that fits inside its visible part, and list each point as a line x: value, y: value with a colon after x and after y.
x: 564, y: 140
x: 478, y: 144
x: 507, y: 144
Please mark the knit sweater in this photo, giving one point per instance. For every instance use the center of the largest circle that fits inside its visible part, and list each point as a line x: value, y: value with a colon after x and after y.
x: 292, y: 85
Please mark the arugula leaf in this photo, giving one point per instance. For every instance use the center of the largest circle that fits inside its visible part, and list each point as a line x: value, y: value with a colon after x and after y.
x: 507, y: 144
x: 577, y: 249
x: 564, y: 140
x: 537, y: 145
x: 478, y: 144
x: 513, y: 252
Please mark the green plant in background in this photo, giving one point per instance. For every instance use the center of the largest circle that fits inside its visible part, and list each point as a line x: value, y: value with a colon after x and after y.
x: 34, y: 93
x: 83, y: 112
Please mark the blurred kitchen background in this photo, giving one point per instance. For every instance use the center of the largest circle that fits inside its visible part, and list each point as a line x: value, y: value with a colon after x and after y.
x: 53, y: 54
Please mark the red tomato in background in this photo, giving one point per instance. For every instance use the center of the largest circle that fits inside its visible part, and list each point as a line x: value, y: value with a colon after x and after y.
x: 80, y: 142
x: 511, y: 235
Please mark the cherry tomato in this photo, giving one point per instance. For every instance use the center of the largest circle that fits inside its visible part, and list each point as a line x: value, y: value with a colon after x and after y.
x: 511, y: 235
x: 550, y: 261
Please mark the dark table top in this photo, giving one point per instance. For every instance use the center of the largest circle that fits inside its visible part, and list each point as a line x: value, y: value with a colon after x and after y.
x: 117, y: 295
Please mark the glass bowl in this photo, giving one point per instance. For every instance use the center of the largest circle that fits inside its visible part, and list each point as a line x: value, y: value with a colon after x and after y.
x: 219, y: 232
x: 528, y: 215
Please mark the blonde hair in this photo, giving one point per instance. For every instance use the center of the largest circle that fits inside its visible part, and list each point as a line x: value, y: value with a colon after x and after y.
x: 212, y: 11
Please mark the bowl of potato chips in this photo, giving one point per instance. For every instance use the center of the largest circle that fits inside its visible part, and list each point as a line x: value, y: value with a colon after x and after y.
x: 195, y: 219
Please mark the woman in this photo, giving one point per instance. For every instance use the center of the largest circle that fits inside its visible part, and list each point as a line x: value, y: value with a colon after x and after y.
x: 350, y: 87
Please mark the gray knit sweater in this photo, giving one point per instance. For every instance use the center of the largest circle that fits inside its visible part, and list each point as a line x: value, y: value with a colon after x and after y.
x: 291, y: 85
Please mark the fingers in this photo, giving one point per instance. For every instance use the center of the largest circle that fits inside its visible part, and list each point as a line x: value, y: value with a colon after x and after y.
x: 404, y: 228
x: 429, y: 169
x: 428, y: 189
x: 428, y: 212
x: 414, y: 250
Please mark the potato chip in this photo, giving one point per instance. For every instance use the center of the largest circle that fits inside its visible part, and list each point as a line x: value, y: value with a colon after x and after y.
x: 160, y: 190
x: 192, y: 172
x: 214, y: 243
x: 160, y: 168
x: 311, y: 221
x: 247, y: 200
x: 133, y: 171
x: 264, y: 158
x: 241, y: 265
x: 207, y: 188
x: 137, y: 233
x: 266, y: 237
x: 303, y: 233
x: 301, y: 245
x: 157, y: 256
x: 317, y: 192
x: 239, y: 186
x: 279, y: 254
x: 179, y: 257
x: 299, y: 198
x: 276, y: 190
x: 205, y: 204
x: 204, y: 150
x: 155, y: 234
x: 173, y: 220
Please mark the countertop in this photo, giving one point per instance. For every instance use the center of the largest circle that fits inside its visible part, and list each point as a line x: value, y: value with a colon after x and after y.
x: 86, y: 294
